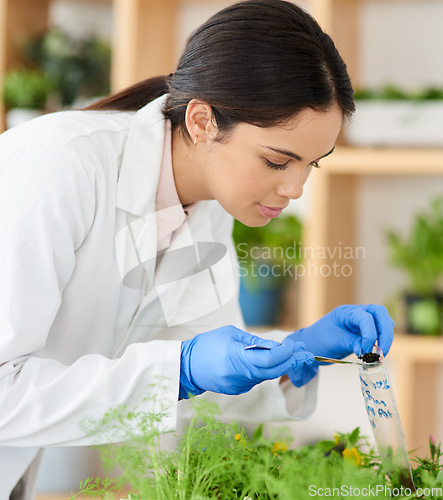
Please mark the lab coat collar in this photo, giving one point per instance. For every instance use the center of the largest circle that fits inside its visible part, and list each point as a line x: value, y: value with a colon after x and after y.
x: 141, y: 164
x: 136, y: 239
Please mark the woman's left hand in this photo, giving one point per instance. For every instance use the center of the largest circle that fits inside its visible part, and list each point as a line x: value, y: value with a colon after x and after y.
x: 345, y: 330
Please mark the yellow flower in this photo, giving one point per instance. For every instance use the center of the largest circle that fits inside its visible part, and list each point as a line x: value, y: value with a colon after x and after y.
x: 352, y: 456
x: 237, y: 437
x: 279, y: 446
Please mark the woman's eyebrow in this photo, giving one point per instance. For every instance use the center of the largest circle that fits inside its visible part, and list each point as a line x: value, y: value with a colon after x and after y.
x: 294, y: 155
x: 285, y: 153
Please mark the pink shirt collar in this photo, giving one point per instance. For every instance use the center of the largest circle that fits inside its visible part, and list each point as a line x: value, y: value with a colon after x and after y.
x: 170, y: 212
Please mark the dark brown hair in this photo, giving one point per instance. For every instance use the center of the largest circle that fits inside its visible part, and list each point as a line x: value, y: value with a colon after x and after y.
x: 257, y: 61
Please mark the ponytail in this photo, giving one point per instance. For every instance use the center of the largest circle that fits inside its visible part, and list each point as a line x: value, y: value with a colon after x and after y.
x: 133, y: 98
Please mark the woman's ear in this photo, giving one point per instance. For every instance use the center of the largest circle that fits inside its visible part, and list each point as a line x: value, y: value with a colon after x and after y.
x: 199, y: 120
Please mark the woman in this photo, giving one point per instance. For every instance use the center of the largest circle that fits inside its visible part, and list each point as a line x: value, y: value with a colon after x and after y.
x: 117, y: 264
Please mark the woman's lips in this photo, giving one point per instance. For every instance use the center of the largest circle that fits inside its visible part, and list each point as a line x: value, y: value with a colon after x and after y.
x: 268, y: 212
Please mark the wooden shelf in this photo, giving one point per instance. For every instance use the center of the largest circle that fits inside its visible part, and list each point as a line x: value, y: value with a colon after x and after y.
x: 383, y: 161
x: 417, y: 362
x: 418, y: 348
x: 116, y: 496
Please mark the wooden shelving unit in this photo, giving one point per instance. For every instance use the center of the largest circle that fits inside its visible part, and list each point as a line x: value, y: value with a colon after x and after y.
x: 331, y: 223
x: 334, y: 190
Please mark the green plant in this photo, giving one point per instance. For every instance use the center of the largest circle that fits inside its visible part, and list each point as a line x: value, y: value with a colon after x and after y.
x: 392, y: 92
x: 430, y: 467
x: 79, y: 68
x: 420, y: 255
x: 278, y: 243
x: 429, y: 94
x: 219, y: 461
x: 26, y: 89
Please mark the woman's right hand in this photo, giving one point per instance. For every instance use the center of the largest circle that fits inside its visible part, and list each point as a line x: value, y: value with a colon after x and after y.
x: 217, y: 361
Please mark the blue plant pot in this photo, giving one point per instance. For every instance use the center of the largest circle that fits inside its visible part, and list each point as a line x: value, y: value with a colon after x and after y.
x: 260, y: 303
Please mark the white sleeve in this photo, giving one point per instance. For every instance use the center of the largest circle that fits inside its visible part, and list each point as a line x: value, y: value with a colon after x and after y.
x: 47, y: 203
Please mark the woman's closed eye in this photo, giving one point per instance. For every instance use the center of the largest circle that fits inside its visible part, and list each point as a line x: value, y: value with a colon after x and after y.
x: 276, y: 166
x: 283, y: 166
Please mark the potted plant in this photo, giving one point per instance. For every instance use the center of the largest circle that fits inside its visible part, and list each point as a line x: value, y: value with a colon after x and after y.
x: 268, y: 258
x: 25, y: 92
x: 79, y: 67
x: 220, y: 461
x: 392, y: 116
x: 420, y: 256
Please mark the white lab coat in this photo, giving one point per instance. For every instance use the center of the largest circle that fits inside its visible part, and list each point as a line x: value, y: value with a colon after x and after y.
x: 84, y: 326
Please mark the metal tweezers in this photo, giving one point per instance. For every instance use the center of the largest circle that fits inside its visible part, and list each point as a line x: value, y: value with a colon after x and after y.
x: 317, y: 358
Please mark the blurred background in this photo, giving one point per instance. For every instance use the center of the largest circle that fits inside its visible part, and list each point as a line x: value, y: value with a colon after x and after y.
x: 369, y: 211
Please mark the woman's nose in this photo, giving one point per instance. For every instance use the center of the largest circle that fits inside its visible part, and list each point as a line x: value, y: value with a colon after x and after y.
x: 291, y: 188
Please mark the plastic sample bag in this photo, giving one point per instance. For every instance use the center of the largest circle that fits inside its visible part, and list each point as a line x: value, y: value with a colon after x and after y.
x: 385, y: 420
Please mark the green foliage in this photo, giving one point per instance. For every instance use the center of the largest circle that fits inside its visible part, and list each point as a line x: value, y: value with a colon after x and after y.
x: 430, y: 467
x: 364, y: 94
x: 219, y: 461
x: 424, y: 316
x: 282, y: 232
x: 278, y: 242
x: 62, y: 66
x: 392, y: 92
x: 429, y: 94
x: 420, y: 255
x: 26, y: 89
x: 77, y: 67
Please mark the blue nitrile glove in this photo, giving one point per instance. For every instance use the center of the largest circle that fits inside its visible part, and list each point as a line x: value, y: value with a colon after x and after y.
x: 217, y: 361
x: 344, y: 330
